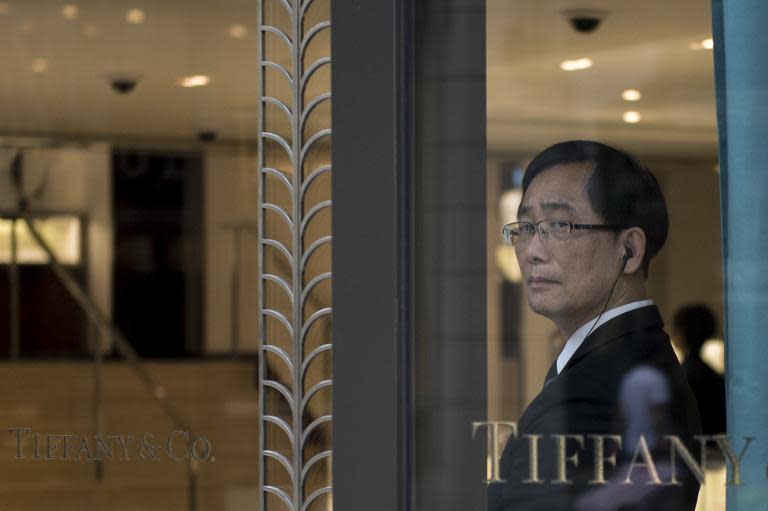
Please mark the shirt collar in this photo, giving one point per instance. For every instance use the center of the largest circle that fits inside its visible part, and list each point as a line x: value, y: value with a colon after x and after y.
x: 577, y: 338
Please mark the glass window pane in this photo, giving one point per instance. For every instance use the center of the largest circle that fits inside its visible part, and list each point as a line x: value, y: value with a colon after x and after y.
x: 129, y: 135
x: 638, y: 77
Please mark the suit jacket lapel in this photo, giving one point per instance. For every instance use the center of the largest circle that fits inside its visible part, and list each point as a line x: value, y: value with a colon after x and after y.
x: 638, y: 319
x: 552, y: 394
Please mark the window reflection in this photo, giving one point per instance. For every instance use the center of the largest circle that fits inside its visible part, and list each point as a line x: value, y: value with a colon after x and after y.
x: 129, y: 134
x: 641, y: 79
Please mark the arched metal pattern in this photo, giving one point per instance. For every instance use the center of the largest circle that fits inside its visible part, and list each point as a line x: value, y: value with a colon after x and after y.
x: 296, y: 146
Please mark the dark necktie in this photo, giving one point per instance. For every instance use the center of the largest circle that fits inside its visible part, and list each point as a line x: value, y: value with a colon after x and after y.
x: 551, y: 374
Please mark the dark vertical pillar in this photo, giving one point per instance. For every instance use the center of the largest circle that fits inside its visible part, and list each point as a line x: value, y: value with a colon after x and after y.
x: 408, y: 254
x: 451, y: 338
x: 371, y: 261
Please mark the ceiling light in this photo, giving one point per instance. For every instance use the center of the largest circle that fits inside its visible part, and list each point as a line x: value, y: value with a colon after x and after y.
x: 90, y: 31
x: 4, y: 7
x: 70, y: 12
x: 238, y: 31
x: 705, y: 44
x: 194, y: 81
x: 40, y: 65
x: 135, y: 16
x: 632, y: 117
x: 631, y: 95
x: 576, y: 65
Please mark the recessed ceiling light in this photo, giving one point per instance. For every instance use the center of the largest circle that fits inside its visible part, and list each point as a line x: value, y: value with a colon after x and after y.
x: 194, y: 81
x: 4, y: 7
x: 238, y: 31
x: 632, y: 117
x: 135, y: 16
x: 576, y: 65
x: 40, y: 65
x: 70, y: 12
x: 28, y: 27
x: 705, y: 44
x: 631, y: 95
x: 90, y: 31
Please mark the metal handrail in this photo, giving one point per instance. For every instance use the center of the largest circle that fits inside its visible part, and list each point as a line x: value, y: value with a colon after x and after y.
x: 237, y: 228
x: 125, y: 350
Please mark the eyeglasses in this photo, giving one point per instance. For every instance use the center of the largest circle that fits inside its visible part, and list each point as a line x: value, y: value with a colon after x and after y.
x: 518, y: 233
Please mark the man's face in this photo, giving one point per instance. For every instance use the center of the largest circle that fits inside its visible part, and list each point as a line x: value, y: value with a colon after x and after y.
x: 566, y: 281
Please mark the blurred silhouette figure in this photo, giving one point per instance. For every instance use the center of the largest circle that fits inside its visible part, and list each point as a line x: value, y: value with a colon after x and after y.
x: 644, y: 400
x: 692, y: 326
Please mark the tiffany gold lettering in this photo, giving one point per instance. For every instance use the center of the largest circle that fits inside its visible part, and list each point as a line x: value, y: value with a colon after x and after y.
x: 179, y: 446
x: 533, y: 451
x: 493, y: 444
x: 605, y: 449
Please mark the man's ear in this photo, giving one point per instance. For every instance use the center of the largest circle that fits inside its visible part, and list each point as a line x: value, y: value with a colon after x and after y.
x: 633, y: 247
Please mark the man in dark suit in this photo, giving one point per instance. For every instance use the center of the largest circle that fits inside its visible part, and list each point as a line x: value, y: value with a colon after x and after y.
x: 692, y: 326
x: 600, y: 435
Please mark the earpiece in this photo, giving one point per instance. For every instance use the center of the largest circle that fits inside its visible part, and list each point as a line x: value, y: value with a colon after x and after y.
x: 628, y: 253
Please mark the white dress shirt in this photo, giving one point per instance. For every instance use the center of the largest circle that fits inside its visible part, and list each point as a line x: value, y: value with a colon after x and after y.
x: 577, y: 338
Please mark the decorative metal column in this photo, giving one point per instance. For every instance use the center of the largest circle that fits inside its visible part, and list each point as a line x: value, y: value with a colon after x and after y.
x: 294, y: 255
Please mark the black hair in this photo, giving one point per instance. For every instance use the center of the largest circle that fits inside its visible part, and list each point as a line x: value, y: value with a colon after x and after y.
x: 620, y: 189
x: 696, y: 323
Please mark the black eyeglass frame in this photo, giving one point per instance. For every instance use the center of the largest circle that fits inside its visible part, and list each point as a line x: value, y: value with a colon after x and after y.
x: 537, y: 225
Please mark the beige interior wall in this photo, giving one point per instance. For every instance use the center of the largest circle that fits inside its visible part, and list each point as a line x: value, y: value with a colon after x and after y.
x: 692, y: 258
x: 231, y: 195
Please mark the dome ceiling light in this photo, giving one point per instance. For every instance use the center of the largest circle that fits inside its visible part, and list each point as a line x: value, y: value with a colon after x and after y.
x: 40, y: 65
x: 576, y: 65
x: 632, y: 117
x: 631, y: 95
x: 705, y: 44
x: 238, y: 31
x: 70, y: 12
x: 135, y: 16
x: 194, y: 81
